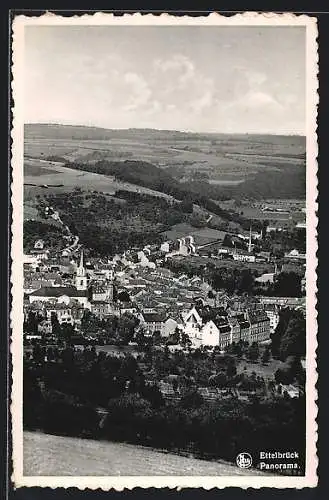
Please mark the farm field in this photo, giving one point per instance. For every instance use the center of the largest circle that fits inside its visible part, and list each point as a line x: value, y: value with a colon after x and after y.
x: 290, y: 210
x: 48, y: 455
x: 59, y: 178
x: 226, y: 160
x: 201, y: 236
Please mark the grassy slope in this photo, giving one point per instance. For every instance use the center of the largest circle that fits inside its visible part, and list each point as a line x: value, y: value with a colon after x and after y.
x: 48, y: 455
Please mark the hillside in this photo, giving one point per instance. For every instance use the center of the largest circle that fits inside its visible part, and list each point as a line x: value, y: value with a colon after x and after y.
x: 47, y: 455
x: 217, y: 166
x: 82, y: 132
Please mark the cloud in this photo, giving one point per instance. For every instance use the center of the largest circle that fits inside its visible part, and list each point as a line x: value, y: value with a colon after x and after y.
x: 139, y: 91
x: 260, y: 99
x: 256, y: 79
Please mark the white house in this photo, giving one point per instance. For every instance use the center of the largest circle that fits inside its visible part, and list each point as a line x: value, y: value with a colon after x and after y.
x: 265, y: 278
x: 242, y: 256
x: 272, y: 311
x: 200, y: 333
x: 143, y: 259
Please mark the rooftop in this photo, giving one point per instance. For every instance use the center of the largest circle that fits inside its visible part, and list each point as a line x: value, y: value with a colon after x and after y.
x: 59, y: 291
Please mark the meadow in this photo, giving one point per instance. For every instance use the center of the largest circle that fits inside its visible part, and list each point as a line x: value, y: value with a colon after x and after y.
x: 42, y: 176
x: 48, y: 455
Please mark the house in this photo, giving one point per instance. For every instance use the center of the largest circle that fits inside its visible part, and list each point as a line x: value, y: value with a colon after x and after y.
x: 243, y: 256
x: 235, y: 329
x: 291, y: 390
x: 45, y: 327
x: 38, y: 255
x: 101, y: 308
x: 259, y: 325
x: 102, y: 292
x: 153, y: 322
x: 264, y: 256
x: 295, y: 255
x: 209, y: 335
x: 61, y: 294
x: 206, y: 326
x: 62, y: 311
x: 170, y: 326
x: 225, y: 337
x: 127, y: 307
x: 244, y: 327
x: 144, y: 260
x: 265, y: 278
x: 39, y: 244
x: 272, y: 311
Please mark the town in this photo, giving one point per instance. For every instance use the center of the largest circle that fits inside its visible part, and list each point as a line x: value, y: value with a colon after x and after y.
x: 157, y: 332
x: 143, y: 296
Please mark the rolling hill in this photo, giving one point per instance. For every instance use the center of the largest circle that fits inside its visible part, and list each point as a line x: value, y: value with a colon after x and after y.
x: 214, y: 165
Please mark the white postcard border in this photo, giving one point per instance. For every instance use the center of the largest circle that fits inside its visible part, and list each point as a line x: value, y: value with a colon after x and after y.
x: 16, y: 315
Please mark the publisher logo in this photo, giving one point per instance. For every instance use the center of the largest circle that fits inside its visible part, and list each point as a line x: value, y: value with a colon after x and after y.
x: 244, y: 460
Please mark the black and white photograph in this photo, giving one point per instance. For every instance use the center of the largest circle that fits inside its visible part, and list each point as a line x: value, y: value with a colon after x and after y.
x: 164, y: 251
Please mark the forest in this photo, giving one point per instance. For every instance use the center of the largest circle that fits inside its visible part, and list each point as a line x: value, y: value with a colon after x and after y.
x: 283, y: 182
x: 80, y: 392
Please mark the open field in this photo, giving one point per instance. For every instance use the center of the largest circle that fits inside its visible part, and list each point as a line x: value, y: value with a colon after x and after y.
x: 47, y: 455
x: 226, y: 160
x: 202, y: 236
x: 59, y: 178
x: 276, y: 210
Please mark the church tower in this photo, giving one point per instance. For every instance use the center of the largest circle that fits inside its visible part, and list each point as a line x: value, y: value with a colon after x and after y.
x: 81, y: 277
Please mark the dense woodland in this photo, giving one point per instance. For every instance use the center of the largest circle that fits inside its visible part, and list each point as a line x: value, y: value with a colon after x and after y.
x: 108, y: 225
x: 283, y: 182
x: 80, y: 392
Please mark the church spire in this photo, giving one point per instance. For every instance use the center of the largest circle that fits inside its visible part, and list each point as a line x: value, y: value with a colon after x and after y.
x: 81, y: 276
x: 81, y: 260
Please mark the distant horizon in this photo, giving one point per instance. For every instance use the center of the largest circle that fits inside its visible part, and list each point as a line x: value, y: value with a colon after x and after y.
x: 82, y: 125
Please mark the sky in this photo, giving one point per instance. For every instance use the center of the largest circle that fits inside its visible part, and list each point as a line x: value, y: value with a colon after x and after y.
x: 191, y: 78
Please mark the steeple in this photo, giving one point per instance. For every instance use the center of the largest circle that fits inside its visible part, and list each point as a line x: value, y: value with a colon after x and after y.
x: 81, y: 277
x: 81, y: 259
x: 81, y: 269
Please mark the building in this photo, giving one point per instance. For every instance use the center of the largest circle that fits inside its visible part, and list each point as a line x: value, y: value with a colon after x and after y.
x: 102, y: 291
x: 295, y: 255
x: 81, y: 279
x: 153, y: 322
x: 101, y: 308
x: 243, y: 256
x: 244, y: 327
x: 265, y: 278
x: 60, y: 294
x: 170, y: 326
x: 62, y: 311
x: 264, y: 256
x: 64, y: 294
x: 259, y: 325
x: 272, y: 311
x: 39, y: 245
x: 235, y: 329
x: 207, y: 327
